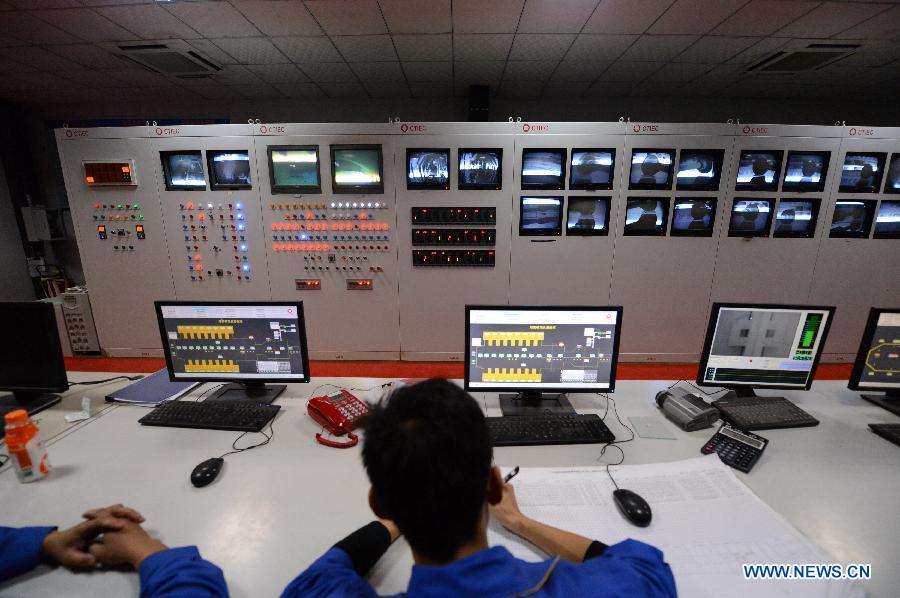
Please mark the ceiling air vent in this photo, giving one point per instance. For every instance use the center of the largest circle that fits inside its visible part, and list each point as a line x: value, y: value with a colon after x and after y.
x: 174, y: 58
x: 807, y: 58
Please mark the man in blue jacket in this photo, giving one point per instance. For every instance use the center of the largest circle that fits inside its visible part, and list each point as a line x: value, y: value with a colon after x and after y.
x: 428, y: 456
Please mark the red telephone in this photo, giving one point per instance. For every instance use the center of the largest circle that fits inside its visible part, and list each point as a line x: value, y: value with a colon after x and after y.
x: 338, y: 412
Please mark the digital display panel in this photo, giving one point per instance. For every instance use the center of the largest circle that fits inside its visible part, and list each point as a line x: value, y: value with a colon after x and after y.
x: 295, y: 169
x: 427, y: 168
x: 587, y: 216
x: 805, y: 171
x: 592, y: 169
x: 651, y: 169
x: 229, y: 169
x: 184, y: 170
x: 699, y: 170
x: 750, y: 218
x: 356, y: 169
x: 796, y: 218
x: 887, y: 222
x: 543, y: 168
x: 758, y: 170
x: 646, y: 216
x: 852, y: 218
x: 862, y: 173
x: 540, y: 216
x: 480, y: 168
x: 693, y: 217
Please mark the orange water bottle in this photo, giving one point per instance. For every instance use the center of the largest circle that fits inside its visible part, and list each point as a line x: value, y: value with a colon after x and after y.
x: 26, y: 447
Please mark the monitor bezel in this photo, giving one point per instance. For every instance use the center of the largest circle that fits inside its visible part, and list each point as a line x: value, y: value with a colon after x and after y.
x: 158, y: 305
x: 214, y: 184
x: 875, y: 234
x: 593, y: 186
x: 410, y: 186
x: 673, y: 232
x: 711, y: 329
x: 713, y: 185
x: 294, y: 189
x: 806, y: 187
x: 617, y: 333
x: 652, y: 186
x: 871, y: 208
x: 498, y: 151
x: 558, y: 186
x: 54, y: 359
x: 660, y: 231
x: 357, y: 189
x: 864, y: 343
x: 604, y: 232
x: 887, y: 168
x: 882, y: 163
x: 749, y: 234
x: 816, y: 203
x: 164, y: 156
x: 776, y: 176
x: 554, y: 232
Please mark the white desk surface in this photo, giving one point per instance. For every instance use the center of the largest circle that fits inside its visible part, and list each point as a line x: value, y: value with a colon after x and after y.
x: 277, y: 508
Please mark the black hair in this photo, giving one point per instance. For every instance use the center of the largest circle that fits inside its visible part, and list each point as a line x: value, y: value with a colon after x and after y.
x: 428, y: 454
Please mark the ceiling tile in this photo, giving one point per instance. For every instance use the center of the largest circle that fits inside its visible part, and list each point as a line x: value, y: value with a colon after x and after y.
x: 370, y: 48
x: 461, y: 89
x: 280, y: 17
x: 344, y: 90
x: 308, y: 49
x: 477, y: 71
x: 725, y: 72
x: 11, y: 66
x: 424, y: 47
x: 658, y: 47
x: 591, y: 46
x: 759, y: 50
x: 630, y: 71
x: 680, y: 72
x: 579, y: 70
x: 566, y: 89
x: 715, y: 49
x: 553, y: 16
x: 278, y: 73
x: 541, y: 46
x: 428, y: 71
x: 8, y: 40
x: 520, y: 90
x: 700, y: 88
x: 217, y: 92
x: 94, y: 78
x: 377, y: 71
x: 625, y: 16
x: 764, y: 17
x: 475, y: 16
x: 348, y: 17
x: 39, y: 58
x: 259, y: 92
x: 387, y: 89
x: 694, y: 16
x: 251, y: 50
x: 149, y: 21
x: 140, y: 77
x: 481, y: 46
x: 653, y: 88
x: 300, y: 91
x: 529, y: 70
x: 431, y: 89
x: 875, y: 54
x: 416, y: 16
x: 884, y: 26
x: 26, y: 27
x: 41, y: 4
x: 213, y: 19
x: 236, y: 74
x: 212, y: 51
x: 329, y: 72
x: 830, y: 18
x: 86, y: 24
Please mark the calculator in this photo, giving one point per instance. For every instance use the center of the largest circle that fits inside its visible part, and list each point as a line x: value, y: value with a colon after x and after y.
x: 735, y: 447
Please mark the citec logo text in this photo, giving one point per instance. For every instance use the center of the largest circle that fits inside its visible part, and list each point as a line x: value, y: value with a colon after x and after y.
x: 535, y: 128
x: 271, y: 129
x: 167, y: 131
x: 855, y: 132
x: 413, y: 128
x: 72, y: 133
x: 748, y: 130
x: 639, y: 128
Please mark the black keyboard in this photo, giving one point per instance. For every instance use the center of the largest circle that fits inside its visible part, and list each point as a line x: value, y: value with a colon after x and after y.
x: 763, y: 413
x: 890, y: 432
x: 548, y: 429
x: 232, y: 415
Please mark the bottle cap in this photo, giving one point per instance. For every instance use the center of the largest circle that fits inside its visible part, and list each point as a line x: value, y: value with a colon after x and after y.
x: 19, y: 416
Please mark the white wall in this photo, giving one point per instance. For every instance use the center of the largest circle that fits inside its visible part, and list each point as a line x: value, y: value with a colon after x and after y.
x: 15, y: 284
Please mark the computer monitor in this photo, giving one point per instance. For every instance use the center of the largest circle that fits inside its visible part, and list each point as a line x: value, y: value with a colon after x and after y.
x: 750, y: 217
x: 537, y: 349
x: 592, y: 169
x: 229, y: 169
x: 294, y: 169
x: 877, y: 365
x: 852, y: 218
x: 588, y: 216
x: 540, y: 216
x: 31, y: 358
x: 892, y: 184
x: 480, y: 168
x: 646, y: 216
x: 805, y: 171
x: 543, y: 168
x: 693, y: 217
x: 699, y: 170
x: 427, y: 168
x: 887, y: 222
x: 752, y: 346
x: 651, y: 169
x: 356, y: 169
x: 183, y: 170
x: 243, y: 345
x: 796, y: 218
x: 862, y: 173
x: 758, y: 170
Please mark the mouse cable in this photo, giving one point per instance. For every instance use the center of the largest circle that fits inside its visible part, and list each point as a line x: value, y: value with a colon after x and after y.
x: 268, y: 439
x: 132, y: 378
x: 698, y: 389
x: 615, y: 443
x: 347, y: 388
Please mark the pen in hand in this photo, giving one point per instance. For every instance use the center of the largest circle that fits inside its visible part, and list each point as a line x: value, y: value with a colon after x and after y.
x: 511, y: 474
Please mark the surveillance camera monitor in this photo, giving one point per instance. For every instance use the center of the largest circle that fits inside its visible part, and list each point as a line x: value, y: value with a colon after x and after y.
x: 183, y: 170
x: 796, y: 218
x: 758, y: 170
x: 540, y: 216
x: 480, y: 169
x: 805, y: 171
x: 229, y: 169
x: 651, y: 169
x: 294, y: 169
x: 592, y: 169
x: 877, y: 366
x: 428, y: 169
x: 852, y: 218
x: 699, y: 170
x: 862, y: 173
x: 750, y: 217
x: 646, y: 216
x: 543, y: 168
x: 887, y: 222
x: 588, y: 216
x: 356, y: 169
x: 892, y: 184
x: 693, y: 217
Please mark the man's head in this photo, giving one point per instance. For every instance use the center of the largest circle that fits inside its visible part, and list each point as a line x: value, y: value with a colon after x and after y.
x: 428, y: 454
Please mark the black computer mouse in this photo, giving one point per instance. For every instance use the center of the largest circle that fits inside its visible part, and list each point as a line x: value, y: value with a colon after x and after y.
x: 634, y: 508
x: 206, y: 472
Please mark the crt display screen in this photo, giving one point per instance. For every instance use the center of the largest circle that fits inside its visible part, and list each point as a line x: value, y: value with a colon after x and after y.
x: 852, y: 218
x: 694, y: 216
x: 592, y: 169
x: 646, y: 216
x: 651, y: 169
x: 862, y: 172
x: 887, y: 223
x: 295, y: 168
x: 231, y: 168
x: 542, y: 168
x: 428, y: 168
x: 893, y: 176
x: 357, y: 167
x: 795, y: 218
x: 699, y: 169
x: 805, y: 171
x: 758, y: 170
x: 750, y: 217
x: 587, y: 216
x: 185, y: 170
x: 541, y: 216
x: 480, y: 169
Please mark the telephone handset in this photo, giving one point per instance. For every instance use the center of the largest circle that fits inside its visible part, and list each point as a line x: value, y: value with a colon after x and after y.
x: 339, y: 412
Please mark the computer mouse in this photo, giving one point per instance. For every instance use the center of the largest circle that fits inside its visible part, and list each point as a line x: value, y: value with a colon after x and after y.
x: 206, y: 472
x: 634, y: 508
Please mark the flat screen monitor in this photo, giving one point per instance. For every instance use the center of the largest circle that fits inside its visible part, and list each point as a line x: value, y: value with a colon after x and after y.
x: 887, y: 222
x: 862, y: 173
x: 294, y: 169
x: 796, y: 218
x: 877, y: 365
x: 592, y: 169
x: 543, y: 168
x: 587, y: 216
x: 758, y: 170
x: 646, y: 216
x: 805, y: 171
x: 356, y: 169
x: 699, y: 170
x: 480, y: 168
x: 763, y: 346
x: 693, y: 217
x: 852, y: 218
x: 244, y: 343
x: 183, y: 170
x: 428, y: 169
x: 540, y: 216
x: 892, y: 184
x: 229, y: 169
x: 651, y: 169
x: 750, y: 217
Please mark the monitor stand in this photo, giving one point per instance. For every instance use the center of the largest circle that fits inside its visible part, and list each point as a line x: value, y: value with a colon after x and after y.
x: 30, y: 401
x: 747, y: 393
x: 255, y: 392
x: 890, y: 400
x: 533, y: 402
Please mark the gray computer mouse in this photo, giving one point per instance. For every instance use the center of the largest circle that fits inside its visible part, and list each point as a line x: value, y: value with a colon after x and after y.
x: 634, y: 508
x: 205, y: 473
